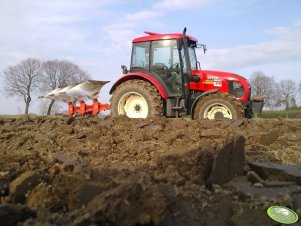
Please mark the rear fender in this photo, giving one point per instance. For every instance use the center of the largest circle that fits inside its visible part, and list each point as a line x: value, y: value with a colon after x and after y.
x: 141, y: 76
x: 199, y: 98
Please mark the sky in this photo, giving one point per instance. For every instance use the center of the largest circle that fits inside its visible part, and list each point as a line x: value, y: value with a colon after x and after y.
x: 242, y: 36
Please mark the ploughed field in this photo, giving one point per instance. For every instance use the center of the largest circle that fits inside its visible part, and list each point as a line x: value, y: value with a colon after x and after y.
x: 167, y: 172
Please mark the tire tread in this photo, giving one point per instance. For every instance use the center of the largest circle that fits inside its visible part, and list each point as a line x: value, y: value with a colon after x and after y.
x: 146, y: 87
x: 224, y: 96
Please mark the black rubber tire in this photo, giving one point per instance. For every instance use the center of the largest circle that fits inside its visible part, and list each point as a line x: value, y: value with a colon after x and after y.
x: 145, y: 89
x: 248, y: 112
x: 226, y: 99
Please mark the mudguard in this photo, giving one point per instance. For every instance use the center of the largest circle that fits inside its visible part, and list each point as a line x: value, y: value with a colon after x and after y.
x: 200, y: 97
x: 138, y: 75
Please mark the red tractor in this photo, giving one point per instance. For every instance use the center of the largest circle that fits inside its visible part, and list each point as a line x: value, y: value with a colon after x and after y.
x: 165, y: 79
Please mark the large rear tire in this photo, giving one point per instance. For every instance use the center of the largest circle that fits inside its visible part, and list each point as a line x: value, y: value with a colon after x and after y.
x: 218, y: 106
x: 136, y: 99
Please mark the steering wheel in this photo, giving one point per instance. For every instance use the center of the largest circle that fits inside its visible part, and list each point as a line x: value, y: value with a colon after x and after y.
x: 175, y: 68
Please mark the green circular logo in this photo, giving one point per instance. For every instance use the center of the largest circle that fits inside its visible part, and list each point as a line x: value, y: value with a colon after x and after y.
x: 282, y: 214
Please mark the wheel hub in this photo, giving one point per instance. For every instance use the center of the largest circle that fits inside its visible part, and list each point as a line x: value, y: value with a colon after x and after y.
x: 217, y: 111
x: 133, y: 105
x: 218, y: 115
x: 137, y: 108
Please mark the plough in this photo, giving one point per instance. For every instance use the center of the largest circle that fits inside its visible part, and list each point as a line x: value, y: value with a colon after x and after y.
x: 79, y: 93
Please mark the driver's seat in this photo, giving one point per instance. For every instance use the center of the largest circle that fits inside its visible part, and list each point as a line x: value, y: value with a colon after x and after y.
x: 158, y: 67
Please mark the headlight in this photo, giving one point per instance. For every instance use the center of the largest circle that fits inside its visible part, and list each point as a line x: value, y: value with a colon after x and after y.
x: 236, y: 89
x: 236, y: 85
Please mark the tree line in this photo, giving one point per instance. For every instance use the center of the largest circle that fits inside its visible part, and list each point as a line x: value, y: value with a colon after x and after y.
x: 277, y: 95
x: 32, y: 77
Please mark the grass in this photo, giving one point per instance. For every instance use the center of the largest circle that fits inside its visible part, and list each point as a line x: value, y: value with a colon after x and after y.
x: 27, y: 116
x: 11, y: 116
x: 293, y: 114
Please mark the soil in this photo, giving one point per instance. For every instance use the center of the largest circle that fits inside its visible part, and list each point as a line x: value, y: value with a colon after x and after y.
x: 88, y: 171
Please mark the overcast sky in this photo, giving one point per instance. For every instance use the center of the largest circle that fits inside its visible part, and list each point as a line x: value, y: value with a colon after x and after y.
x: 242, y: 36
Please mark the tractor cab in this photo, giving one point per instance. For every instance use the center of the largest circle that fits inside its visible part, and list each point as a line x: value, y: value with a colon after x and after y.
x: 160, y: 59
x: 169, y: 59
x: 163, y: 57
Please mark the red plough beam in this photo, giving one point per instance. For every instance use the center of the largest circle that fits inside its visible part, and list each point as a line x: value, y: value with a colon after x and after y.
x: 85, y: 109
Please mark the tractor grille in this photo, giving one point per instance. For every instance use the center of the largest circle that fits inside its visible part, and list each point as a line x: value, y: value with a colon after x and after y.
x: 236, y: 89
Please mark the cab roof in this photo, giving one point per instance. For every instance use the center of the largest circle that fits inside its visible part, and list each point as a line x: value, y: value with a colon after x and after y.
x: 152, y: 36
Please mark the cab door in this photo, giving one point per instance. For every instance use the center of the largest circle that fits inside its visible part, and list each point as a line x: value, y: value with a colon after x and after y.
x: 165, y: 63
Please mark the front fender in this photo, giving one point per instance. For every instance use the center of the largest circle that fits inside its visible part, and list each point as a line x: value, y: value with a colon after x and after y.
x: 142, y: 76
x: 200, y: 97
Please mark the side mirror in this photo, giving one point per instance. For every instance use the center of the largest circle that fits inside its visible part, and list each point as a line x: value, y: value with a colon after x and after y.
x: 203, y: 46
x: 124, y: 69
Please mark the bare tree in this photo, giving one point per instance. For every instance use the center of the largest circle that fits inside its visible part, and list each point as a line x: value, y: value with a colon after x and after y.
x: 23, y: 79
x: 263, y: 85
x: 60, y: 73
x: 44, y: 105
x: 299, y: 91
x: 286, y: 94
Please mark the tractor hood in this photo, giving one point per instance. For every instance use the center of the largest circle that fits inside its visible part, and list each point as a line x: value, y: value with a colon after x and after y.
x: 220, y: 75
x: 223, y: 81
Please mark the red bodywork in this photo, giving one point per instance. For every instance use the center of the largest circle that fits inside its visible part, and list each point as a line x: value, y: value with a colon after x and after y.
x: 218, y: 80
x: 84, y: 108
x: 155, y: 36
x: 208, y: 80
x: 143, y: 76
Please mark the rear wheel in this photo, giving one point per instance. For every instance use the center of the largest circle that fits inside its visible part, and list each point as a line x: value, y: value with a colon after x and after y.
x: 218, y: 106
x: 136, y: 99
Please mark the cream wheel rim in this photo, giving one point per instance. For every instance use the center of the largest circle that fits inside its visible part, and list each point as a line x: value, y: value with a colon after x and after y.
x: 215, y: 111
x: 133, y: 105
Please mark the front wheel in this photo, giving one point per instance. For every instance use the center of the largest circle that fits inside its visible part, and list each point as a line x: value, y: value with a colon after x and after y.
x: 136, y: 99
x: 218, y: 106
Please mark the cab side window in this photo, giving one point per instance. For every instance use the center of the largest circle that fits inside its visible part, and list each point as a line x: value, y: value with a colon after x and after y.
x: 140, y: 55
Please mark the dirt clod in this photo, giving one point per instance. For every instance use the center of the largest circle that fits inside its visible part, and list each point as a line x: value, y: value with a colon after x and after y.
x: 121, y: 171
x: 228, y: 161
x: 11, y: 214
x: 277, y: 171
x: 23, y: 184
